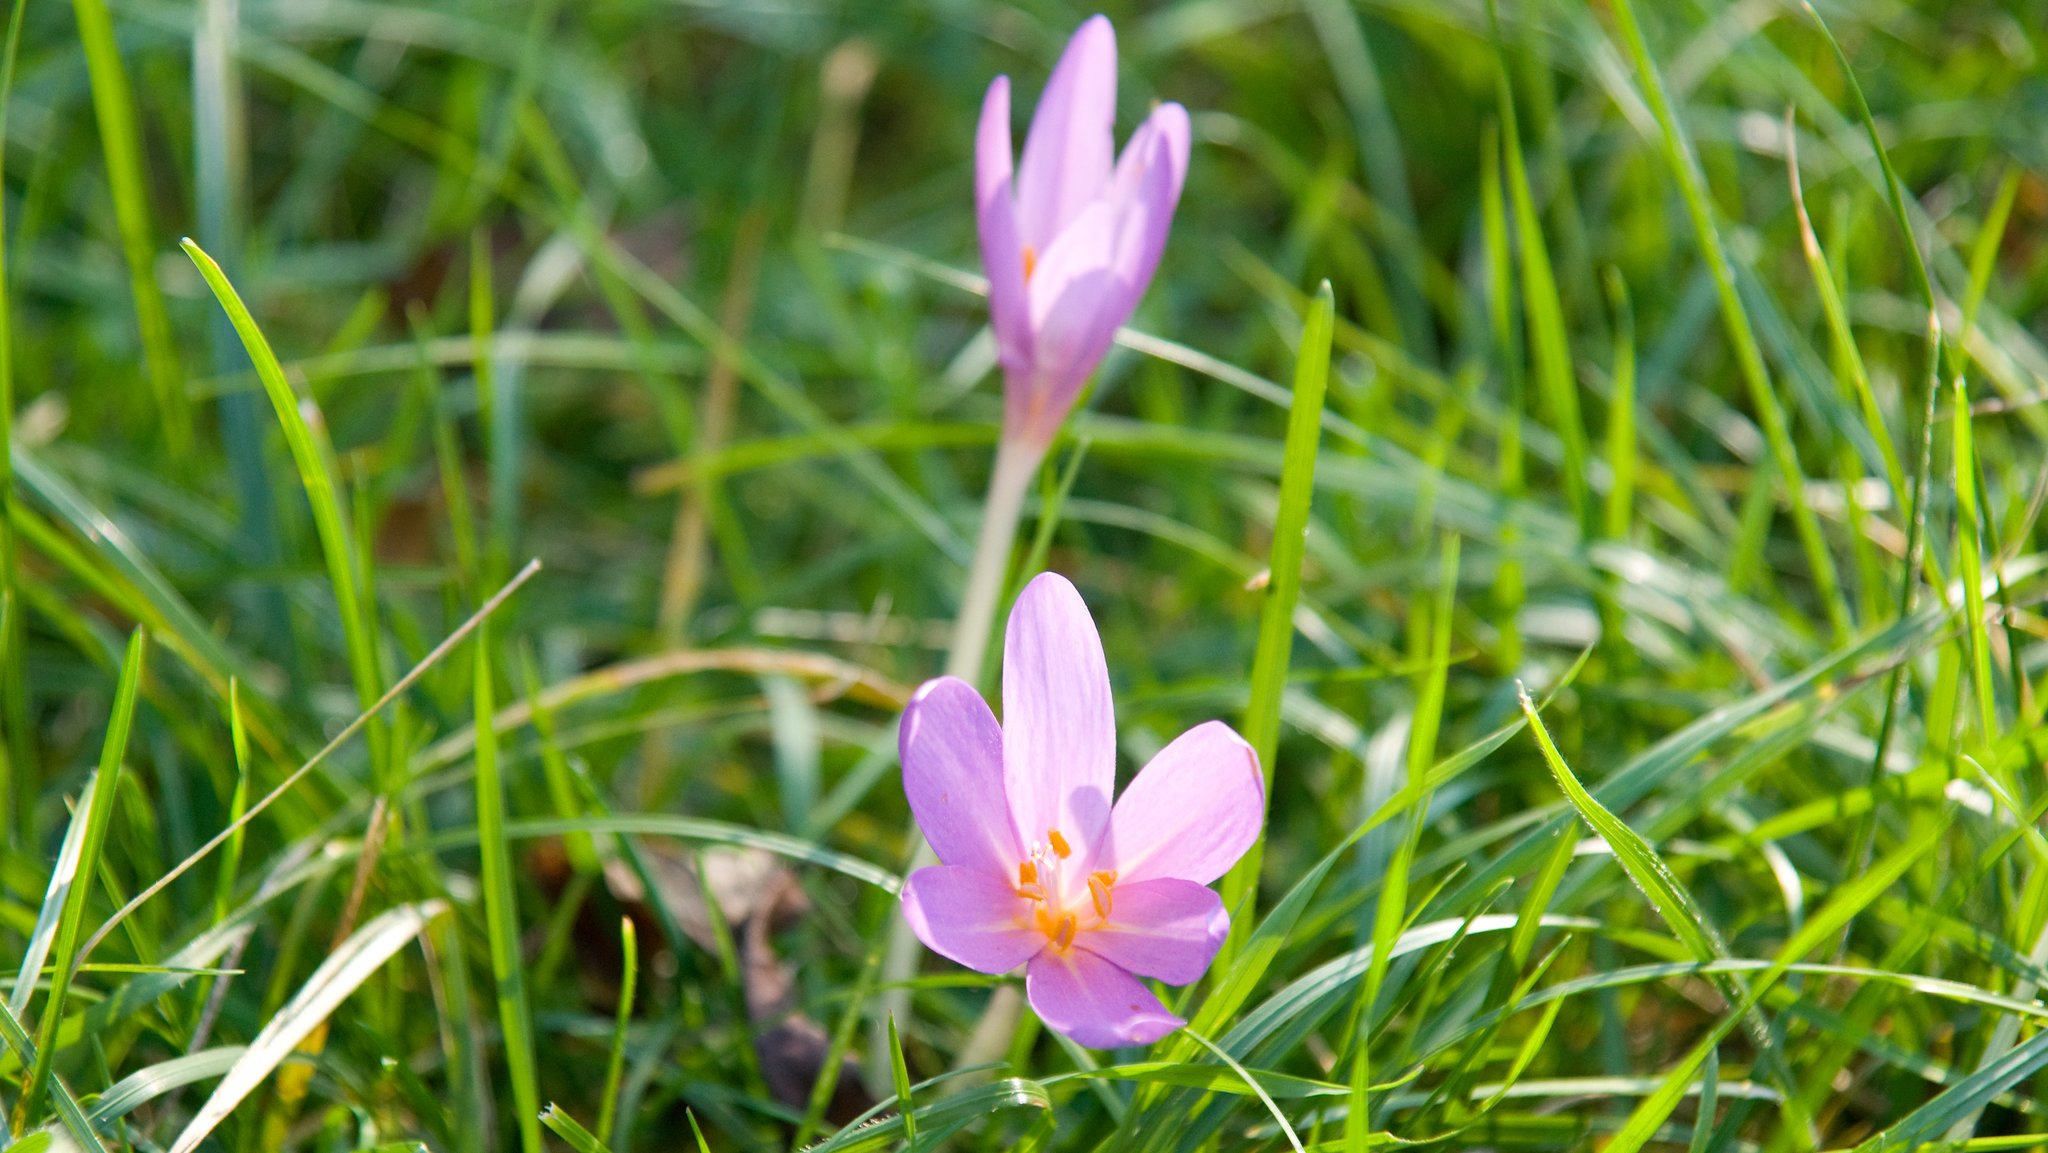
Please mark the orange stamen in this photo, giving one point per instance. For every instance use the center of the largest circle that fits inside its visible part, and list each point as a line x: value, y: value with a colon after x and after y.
x: 1027, y: 882
x: 1060, y: 848
x: 1030, y: 262
x: 1065, y: 936
x: 1099, y: 883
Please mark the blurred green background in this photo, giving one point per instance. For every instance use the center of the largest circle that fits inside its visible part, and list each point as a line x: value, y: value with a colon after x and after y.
x: 678, y: 298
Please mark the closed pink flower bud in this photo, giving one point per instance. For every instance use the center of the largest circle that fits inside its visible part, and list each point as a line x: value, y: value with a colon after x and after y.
x: 1071, y: 241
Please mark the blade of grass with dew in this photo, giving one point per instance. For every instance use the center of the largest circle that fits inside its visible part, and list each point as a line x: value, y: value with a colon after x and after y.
x: 113, y: 104
x: 1283, y: 587
x: 1684, y: 165
x: 1674, y: 905
x: 71, y: 923
x: 329, y: 985
x: 1843, y: 906
x: 501, y: 913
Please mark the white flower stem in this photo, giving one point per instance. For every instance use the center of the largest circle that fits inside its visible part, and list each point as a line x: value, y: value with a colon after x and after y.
x: 1016, y: 463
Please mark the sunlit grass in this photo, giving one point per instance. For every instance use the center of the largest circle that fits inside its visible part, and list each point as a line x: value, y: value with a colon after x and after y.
x: 1625, y: 568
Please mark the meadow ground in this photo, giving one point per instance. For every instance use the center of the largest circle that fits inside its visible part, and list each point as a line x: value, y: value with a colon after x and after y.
x: 1686, y: 368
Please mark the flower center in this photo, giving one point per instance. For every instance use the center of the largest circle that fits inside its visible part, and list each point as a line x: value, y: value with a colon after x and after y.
x: 1038, y: 881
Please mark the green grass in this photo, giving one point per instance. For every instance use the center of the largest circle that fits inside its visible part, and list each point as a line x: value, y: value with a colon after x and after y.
x: 1635, y: 599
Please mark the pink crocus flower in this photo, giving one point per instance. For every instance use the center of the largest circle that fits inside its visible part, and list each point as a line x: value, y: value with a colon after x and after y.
x: 1070, y: 244
x: 1037, y: 868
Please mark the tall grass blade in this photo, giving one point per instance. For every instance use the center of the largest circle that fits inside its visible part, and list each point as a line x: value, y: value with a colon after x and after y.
x: 305, y: 433
x: 1541, y: 306
x: 615, y: 1064
x: 71, y: 923
x: 113, y: 104
x: 1749, y: 358
x: 1271, y: 659
x: 501, y: 912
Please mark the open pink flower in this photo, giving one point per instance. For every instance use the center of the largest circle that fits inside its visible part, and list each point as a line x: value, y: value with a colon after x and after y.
x: 1070, y: 248
x: 1037, y: 868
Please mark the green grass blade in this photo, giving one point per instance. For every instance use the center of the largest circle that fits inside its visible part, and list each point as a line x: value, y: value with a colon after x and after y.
x: 305, y: 433
x: 1621, y: 416
x: 1841, y: 337
x: 1339, y: 28
x: 1749, y: 358
x: 1642, y: 863
x: 501, y: 912
x: 1542, y: 308
x: 615, y: 1064
x: 147, y: 1084
x: 1970, y: 565
x: 71, y: 924
x: 1846, y: 903
x: 942, y: 1114
x: 899, y: 1075
x: 17, y: 765
x: 121, y: 143
x: 62, y: 877
x: 1275, y: 649
x: 13, y: 1036
x: 1984, y: 253
x: 571, y: 1131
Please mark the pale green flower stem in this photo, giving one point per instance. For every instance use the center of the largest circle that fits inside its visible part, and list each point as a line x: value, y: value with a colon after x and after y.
x: 1016, y: 463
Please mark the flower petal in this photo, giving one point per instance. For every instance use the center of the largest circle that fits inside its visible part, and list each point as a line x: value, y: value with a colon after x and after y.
x: 1161, y: 928
x: 1002, y: 252
x: 1191, y: 812
x: 971, y: 917
x: 1068, y: 153
x: 1146, y: 190
x: 1094, y: 1002
x: 953, y: 774
x: 1077, y: 303
x: 1059, y: 729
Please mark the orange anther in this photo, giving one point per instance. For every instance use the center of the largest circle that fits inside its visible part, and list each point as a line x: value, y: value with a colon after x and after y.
x: 1060, y: 848
x: 1027, y: 874
x: 1065, y: 935
x: 1030, y: 262
x: 1098, y: 891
